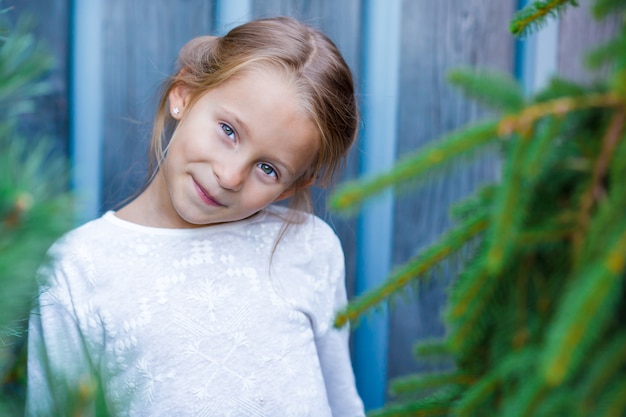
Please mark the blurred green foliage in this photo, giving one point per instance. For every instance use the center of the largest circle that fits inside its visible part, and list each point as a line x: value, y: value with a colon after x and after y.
x: 35, y: 206
x: 535, y: 318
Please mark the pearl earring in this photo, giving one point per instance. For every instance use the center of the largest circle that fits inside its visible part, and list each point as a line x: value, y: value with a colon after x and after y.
x: 175, y: 111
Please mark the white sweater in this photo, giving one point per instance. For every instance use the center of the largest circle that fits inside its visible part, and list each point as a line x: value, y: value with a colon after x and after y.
x: 194, y: 322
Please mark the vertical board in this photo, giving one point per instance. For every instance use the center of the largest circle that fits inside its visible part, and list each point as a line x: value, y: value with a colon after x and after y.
x: 141, y: 39
x: 51, y: 26
x: 380, y: 88
x: 536, y: 55
x: 438, y: 36
x: 579, y: 33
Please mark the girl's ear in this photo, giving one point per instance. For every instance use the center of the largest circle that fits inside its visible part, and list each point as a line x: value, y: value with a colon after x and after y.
x: 178, y: 99
x: 292, y: 189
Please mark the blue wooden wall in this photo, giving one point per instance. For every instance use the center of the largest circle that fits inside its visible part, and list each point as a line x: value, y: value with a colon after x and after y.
x: 111, y: 55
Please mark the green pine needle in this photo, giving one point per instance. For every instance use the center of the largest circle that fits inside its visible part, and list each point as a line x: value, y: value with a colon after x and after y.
x: 607, y: 53
x: 510, y: 205
x: 513, y: 366
x: 613, y: 403
x: 437, y: 404
x: 584, y: 311
x: 527, y: 398
x: 414, y: 165
x: 431, y: 349
x: 608, y: 365
x: 534, y: 16
x: 496, y: 90
x: 412, y: 384
x: 602, y: 8
x: 451, y: 242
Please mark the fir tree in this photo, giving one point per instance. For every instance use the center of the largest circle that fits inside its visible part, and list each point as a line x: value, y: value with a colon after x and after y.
x: 535, y: 317
x: 35, y: 207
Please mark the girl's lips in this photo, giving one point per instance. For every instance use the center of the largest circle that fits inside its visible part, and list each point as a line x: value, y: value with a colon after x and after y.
x: 206, y: 197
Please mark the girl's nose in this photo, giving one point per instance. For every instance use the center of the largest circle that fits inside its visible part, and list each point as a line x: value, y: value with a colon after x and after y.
x: 230, y: 176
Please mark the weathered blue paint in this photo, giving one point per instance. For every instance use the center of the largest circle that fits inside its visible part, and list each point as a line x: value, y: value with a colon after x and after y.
x: 536, y: 56
x: 231, y: 13
x: 86, y: 106
x: 380, y: 86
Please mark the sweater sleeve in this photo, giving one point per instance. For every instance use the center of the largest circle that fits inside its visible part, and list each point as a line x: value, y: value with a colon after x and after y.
x: 310, y: 267
x: 334, y: 356
x: 59, y: 376
x: 333, y: 344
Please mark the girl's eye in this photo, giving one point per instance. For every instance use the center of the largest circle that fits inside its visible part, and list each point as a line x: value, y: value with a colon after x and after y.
x: 267, y: 169
x: 230, y: 132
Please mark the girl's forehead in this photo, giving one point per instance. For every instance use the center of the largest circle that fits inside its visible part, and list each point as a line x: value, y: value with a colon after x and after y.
x: 264, y: 74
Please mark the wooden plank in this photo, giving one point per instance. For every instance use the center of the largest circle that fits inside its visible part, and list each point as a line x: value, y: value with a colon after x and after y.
x: 439, y: 36
x: 579, y: 33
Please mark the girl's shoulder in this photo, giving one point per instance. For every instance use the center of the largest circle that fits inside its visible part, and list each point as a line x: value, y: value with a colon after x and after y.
x: 299, y: 224
x: 304, y: 239
x: 80, y: 235
x: 94, y: 236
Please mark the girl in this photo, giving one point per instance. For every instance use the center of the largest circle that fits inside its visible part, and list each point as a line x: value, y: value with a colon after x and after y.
x: 200, y: 298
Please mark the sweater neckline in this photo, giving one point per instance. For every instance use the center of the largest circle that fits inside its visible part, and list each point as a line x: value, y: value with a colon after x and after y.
x: 111, y: 217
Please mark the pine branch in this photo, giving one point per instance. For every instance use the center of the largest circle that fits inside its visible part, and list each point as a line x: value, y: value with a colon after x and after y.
x: 461, y: 142
x: 469, y: 299
x: 438, y: 404
x: 595, y: 190
x: 535, y: 15
x: 513, y: 364
x: 509, y: 208
x: 523, y: 122
x: 431, y: 349
x: 414, y: 383
x: 496, y: 90
x: 480, y: 201
x: 610, y: 210
x: 557, y: 403
x: 511, y: 203
x: 22, y: 62
x: 415, y: 165
x: 607, y: 364
x: 524, y: 402
x: 449, y: 243
x: 602, y: 8
x: 544, y: 235
x: 584, y: 310
x: 607, y: 53
x: 614, y: 403
x: 541, y: 148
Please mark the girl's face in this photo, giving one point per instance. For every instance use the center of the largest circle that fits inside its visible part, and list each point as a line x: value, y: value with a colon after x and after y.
x: 240, y: 147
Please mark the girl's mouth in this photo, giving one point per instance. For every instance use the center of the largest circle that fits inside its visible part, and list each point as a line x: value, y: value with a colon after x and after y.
x: 206, y: 197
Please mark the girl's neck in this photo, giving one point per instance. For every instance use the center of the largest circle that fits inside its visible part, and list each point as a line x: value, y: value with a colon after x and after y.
x: 148, y: 209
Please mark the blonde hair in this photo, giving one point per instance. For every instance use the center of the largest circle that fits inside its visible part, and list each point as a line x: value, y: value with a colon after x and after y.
x: 311, y: 62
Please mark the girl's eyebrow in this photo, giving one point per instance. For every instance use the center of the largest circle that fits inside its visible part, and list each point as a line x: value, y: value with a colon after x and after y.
x: 240, y: 123
x: 289, y: 170
x: 280, y: 163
